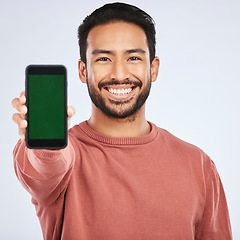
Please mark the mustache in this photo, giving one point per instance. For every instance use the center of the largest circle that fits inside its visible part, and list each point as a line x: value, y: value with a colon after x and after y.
x: 117, y: 82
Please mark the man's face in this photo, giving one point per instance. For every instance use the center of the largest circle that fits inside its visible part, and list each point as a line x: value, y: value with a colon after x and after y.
x: 118, y: 68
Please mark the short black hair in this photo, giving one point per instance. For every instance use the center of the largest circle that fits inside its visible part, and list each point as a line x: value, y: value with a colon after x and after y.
x: 114, y: 12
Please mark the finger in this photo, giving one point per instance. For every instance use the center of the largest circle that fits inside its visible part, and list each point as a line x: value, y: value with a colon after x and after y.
x: 16, y: 104
x: 19, y: 106
x: 22, y: 93
x: 68, y: 122
x: 21, y: 122
x: 70, y: 111
x: 17, y: 118
x: 22, y: 98
x: 22, y: 135
x: 23, y: 110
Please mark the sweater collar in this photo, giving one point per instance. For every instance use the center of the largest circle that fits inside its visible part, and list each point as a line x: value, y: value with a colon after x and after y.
x: 118, y: 140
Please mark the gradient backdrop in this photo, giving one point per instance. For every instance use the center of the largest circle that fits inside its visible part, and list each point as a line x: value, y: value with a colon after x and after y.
x: 196, y: 96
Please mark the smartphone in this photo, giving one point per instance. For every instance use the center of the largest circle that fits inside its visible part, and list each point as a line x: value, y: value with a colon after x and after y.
x: 46, y: 100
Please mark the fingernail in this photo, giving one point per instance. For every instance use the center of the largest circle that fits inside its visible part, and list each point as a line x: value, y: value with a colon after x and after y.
x: 23, y: 109
x: 22, y: 98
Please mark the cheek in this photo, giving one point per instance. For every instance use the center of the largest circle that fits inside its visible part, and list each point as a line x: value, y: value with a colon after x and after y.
x: 141, y: 72
x: 91, y: 75
x: 99, y: 72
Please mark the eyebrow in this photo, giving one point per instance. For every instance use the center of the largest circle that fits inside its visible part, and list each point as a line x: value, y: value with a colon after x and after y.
x: 97, y: 51
x: 135, y: 50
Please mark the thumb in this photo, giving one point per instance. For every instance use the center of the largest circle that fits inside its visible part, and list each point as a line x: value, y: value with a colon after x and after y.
x: 70, y: 112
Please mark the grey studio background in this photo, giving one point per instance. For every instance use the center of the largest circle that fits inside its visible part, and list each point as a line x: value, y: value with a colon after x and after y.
x: 196, y: 96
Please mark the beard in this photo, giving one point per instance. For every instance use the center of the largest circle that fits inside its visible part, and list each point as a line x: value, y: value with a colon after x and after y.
x: 119, y: 109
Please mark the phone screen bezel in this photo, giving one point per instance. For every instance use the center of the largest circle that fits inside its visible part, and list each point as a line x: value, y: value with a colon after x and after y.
x: 46, y: 70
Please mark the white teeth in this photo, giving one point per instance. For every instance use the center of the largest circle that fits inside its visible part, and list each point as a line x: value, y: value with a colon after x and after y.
x: 119, y: 91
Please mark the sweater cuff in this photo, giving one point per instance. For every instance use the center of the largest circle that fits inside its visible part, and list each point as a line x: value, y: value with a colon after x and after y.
x: 46, y: 154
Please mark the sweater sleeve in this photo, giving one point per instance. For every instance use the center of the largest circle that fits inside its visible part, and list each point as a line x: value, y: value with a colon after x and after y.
x: 215, y: 223
x: 43, y: 173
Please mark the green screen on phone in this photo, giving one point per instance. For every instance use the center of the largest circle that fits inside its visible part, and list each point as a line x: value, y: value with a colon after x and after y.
x: 46, y: 98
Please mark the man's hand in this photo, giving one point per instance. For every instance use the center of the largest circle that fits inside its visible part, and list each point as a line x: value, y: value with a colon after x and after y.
x: 19, y: 118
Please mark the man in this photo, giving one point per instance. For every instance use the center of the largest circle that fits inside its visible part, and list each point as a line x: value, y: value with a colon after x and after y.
x: 121, y: 177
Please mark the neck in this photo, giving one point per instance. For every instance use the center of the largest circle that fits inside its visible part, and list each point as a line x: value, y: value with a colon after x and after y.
x: 132, y: 126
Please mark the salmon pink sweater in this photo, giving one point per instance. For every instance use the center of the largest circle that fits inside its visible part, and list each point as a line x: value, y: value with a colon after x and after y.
x: 154, y: 187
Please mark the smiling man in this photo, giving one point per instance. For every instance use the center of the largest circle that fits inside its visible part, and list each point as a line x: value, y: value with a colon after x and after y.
x: 118, y: 73
x: 121, y: 177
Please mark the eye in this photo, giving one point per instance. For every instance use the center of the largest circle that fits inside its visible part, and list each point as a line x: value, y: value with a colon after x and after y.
x: 134, y: 58
x: 103, y: 59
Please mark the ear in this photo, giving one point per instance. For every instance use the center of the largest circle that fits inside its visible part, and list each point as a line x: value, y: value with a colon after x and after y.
x: 155, y: 68
x: 82, y: 71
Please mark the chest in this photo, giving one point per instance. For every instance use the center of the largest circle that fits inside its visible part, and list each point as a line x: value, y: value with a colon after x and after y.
x: 140, y: 198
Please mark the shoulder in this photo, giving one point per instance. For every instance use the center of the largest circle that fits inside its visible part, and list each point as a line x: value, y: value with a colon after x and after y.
x: 76, y: 130
x: 81, y: 134
x: 181, y: 149
x: 173, y: 141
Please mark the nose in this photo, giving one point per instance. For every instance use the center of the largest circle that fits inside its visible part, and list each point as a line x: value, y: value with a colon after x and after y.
x: 119, y: 71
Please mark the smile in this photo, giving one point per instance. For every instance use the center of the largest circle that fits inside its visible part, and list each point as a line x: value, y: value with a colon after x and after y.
x: 122, y: 91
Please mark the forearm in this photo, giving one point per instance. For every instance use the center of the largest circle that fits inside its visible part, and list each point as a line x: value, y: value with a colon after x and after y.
x: 41, y: 172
